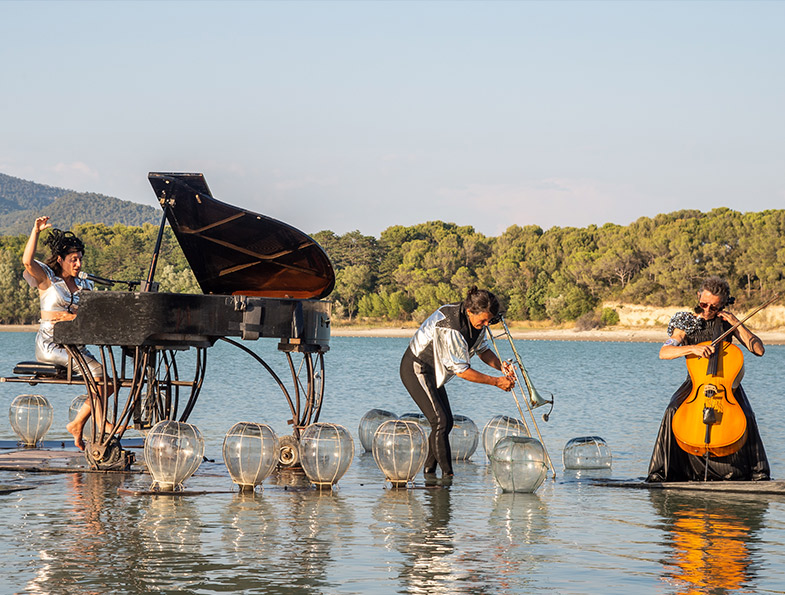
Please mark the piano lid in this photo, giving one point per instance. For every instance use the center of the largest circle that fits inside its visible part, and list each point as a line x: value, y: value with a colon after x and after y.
x: 237, y: 252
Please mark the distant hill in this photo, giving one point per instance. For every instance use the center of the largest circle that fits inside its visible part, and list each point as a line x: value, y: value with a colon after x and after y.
x: 21, y: 201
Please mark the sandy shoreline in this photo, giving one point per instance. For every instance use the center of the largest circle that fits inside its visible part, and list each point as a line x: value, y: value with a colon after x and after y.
x: 620, y: 334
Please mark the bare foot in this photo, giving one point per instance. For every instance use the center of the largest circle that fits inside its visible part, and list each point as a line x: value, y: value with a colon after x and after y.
x: 76, y: 432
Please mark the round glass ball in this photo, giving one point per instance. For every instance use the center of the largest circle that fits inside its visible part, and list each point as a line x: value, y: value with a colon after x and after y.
x: 369, y: 423
x: 326, y: 451
x: 419, y: 418
x: 73, y: 410
x: 499, y: 427
x: 31, y: 417
x: 250, y: 452
x: 464, y: 438
x: 587, y: 452
x: 173, y: 451
x: 399, y: 449
x: 518, y: 464
x: 76, y: 405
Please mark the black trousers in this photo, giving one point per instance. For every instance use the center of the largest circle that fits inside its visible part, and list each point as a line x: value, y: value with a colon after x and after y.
x: 420, y: 380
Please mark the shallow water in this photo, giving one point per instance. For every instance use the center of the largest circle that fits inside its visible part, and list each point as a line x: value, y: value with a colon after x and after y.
x: 75, y: 533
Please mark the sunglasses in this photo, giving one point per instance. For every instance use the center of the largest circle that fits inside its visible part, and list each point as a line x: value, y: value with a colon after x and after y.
x: 711, y: 307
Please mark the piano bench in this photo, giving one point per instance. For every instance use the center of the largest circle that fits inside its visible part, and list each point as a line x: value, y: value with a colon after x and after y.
x: 42, y: 369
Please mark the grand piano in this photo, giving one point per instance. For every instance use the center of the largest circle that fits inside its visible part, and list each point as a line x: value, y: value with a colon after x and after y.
x: 261, y: 278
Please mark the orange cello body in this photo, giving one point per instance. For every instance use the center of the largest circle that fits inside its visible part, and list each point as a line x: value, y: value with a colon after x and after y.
x: 710, y: 420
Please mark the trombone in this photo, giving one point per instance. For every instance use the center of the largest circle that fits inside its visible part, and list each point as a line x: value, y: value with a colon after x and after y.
x: 535, y: 399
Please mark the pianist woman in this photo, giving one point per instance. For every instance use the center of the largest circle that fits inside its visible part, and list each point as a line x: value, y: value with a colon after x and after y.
x: 59, y: 286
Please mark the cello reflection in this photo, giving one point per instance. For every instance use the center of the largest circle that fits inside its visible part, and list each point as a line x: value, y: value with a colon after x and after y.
x: 710, y: 539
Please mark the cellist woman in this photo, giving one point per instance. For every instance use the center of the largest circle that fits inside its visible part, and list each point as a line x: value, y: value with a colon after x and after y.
x: 690, y: 335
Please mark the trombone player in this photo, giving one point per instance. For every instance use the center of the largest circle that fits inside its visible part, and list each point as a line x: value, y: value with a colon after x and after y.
x: 442, y: 348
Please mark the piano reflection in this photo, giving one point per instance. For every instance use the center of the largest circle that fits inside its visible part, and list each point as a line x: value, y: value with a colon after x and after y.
x: 260, y: 278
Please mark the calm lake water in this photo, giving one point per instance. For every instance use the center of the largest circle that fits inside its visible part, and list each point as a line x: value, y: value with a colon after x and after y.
x: 73, y: 533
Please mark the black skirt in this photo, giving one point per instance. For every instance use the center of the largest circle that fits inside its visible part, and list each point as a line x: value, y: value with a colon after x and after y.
x: 670, y: 463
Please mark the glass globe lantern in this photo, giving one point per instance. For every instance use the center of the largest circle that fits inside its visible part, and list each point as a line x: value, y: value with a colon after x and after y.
x: 497, y: 428
x: 464, y: 438
x: 518, y: 464
x: 326, y: 451
x: 173, y: 451
x: 399, y: 449
x: 369, y: 423
x: 420, y: 419
x: 73, y: 410
x: 76, y: 405
x: 250, y: 453
x: 31, y: 417
x: 587, y: 452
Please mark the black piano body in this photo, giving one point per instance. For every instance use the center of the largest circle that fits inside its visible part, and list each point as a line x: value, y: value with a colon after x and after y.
x: 175, y: 320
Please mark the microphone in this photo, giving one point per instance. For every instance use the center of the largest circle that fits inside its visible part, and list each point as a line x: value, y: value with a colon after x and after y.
x: 96, y: 278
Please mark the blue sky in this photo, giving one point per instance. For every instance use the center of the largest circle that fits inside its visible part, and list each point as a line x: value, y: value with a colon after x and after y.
x: 363, y: 115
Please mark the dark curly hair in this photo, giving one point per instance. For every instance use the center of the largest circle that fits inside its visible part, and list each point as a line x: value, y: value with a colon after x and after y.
x: 61, y: 243
x: 481, y: 300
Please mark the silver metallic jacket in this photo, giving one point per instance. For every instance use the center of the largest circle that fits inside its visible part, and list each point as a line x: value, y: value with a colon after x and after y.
x: 451, y: 353
x: 56, y: 298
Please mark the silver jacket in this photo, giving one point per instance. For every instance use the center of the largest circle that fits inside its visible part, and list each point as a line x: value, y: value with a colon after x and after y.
x: 451, y: 353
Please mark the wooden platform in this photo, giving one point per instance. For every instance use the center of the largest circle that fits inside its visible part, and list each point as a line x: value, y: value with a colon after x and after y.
x: 127, y: 492
x: 46, y: 460
x: 746, y: 487
x: 7, y: 489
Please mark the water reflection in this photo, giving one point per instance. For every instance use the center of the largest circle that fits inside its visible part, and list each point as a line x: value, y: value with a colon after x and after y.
x: 320, y: 527
x: 519, y: 523
x: 416, y: 524
x: 710, y: 539
x: 170, y: 527
x: 249, y: 527
x: 79, y: 539
x: 519, y: 519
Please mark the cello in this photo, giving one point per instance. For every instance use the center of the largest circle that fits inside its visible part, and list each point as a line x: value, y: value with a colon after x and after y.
x: 710, y: 421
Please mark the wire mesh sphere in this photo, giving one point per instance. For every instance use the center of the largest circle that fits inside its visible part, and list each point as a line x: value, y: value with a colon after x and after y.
x: 399, y: 449
x: 31, y: 417
x: 464, y: 438
x: 587, y: 452
x: 369, y: 423
x: 518, y: 464
x: 499, y: 427
x: 250, y: 452
x: 326, y: 451
x: 173, y: 451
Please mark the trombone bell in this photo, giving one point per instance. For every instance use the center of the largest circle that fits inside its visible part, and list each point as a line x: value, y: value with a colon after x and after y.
x: 537, y: 400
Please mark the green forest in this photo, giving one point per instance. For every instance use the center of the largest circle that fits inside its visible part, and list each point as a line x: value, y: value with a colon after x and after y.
x: 559, y: 274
